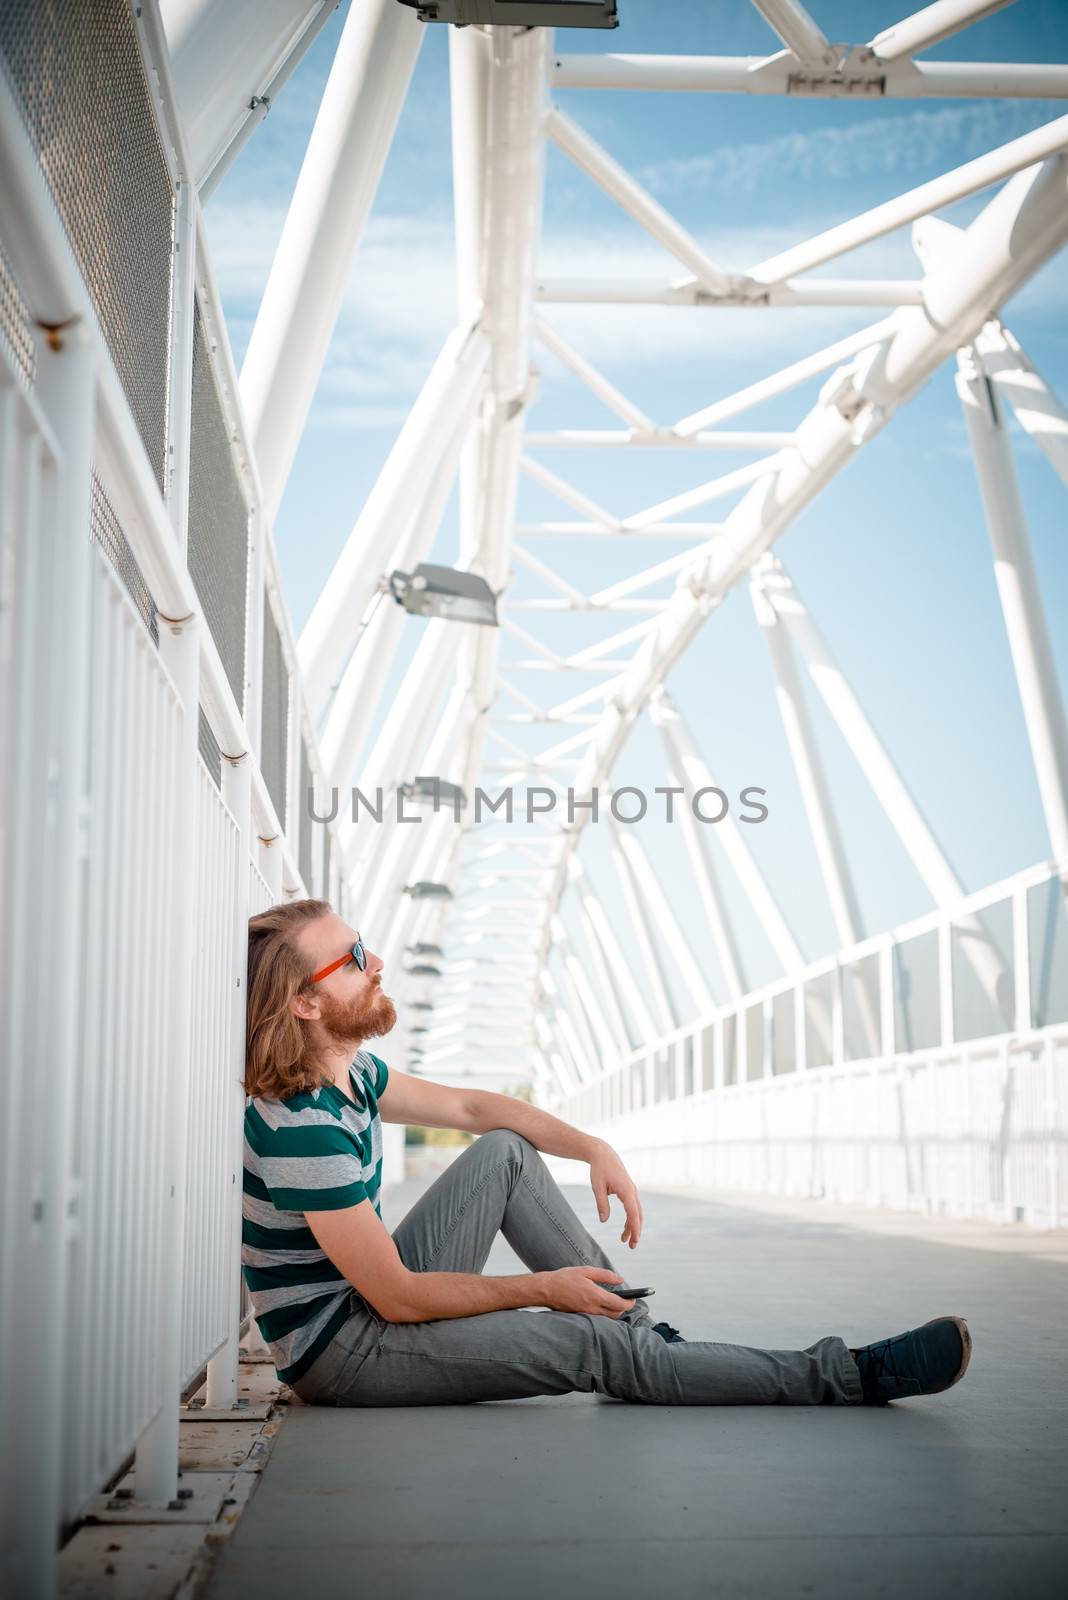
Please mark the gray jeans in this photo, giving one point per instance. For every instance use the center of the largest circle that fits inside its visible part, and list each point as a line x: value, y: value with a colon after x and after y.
x: 500, y: 1184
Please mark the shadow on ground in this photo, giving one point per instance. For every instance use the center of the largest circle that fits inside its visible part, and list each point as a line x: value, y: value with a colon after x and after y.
x: 963, y: 1492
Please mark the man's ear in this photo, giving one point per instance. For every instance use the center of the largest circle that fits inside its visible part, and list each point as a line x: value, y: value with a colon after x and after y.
x: 302, y: 1005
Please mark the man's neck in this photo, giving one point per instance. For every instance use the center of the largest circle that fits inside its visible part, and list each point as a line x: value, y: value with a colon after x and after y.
x: 336, y: 1061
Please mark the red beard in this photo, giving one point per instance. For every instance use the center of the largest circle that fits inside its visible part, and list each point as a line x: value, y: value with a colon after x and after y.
x: 366, y: 1019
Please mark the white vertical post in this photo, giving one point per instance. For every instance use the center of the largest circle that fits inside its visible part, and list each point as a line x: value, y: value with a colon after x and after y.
x: 156, y: 1468
x: 65, y: 388
x: 237, y: 793
x: 183, y: 309
x: 945, y: 981
x: 1021, y: 601
x: 270, y: 862
x: 254, y: 603
x: 1039, y: 411
x: 338, y: 180
x: 1021, y: 961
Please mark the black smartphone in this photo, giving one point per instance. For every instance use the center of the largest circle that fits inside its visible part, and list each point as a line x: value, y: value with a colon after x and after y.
x: 627, y: 1294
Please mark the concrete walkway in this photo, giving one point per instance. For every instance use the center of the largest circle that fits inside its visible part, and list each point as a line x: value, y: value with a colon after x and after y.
x: 576, y: 1495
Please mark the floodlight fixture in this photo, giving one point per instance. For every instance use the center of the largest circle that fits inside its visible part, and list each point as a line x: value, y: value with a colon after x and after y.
x: 426, y: 950
x: 435, y: 791
x: 426, y: 890
x: 445, y: 592
x: 425, y: 970
x: 518, y: 13
x: 421, y: 1005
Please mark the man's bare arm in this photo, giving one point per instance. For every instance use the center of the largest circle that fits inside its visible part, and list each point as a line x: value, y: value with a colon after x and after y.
x: 362, y: 1248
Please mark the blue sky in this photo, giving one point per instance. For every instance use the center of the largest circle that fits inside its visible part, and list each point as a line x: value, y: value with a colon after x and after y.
x: 893, y: 559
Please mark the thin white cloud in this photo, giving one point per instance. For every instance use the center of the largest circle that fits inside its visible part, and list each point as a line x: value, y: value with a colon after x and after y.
x: 913, y: 142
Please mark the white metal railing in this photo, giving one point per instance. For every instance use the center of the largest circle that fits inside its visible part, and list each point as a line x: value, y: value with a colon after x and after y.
x: 910, y: 999
x: 129, y: 872
x: 979, y: 1130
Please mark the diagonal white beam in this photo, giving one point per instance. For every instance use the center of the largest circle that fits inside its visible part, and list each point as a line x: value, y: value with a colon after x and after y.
x: 695, y: 838
x: 533, y: 564
x: 353, y: 707
x: 874, y: 760
x: 651, y: 575
x: 715, y: 489
x: 788, y: 378
x: 586, y: 153
x: 696, y: 775
x: 1020, y: 595
x: 353, y: 131
x: 1039, y: 411
x: 637, y: 1018
x: 568, y: 493
x: 669, y: 930
x: 930, y: 26
x: 652, y: 961
x: 797, y: 30
x: 595, y: 381
x: 401, y: 486
x: 985, y: 170
x: 804, y: 751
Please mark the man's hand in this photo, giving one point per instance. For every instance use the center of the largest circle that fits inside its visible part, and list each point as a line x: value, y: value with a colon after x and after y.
x: 578, y: 1289
x: 609, y: 1176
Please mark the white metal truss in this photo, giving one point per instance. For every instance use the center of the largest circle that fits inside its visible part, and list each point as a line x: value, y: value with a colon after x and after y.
x: 488, y: 708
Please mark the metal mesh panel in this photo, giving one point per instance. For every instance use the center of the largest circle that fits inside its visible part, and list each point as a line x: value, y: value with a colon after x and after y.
x: 306, y: 823
x: 218, y: 518
x: 208, y: 745
x: 15, y: 328
x: 77, y: 75
x: 274, y: 743
x: 105, y: 529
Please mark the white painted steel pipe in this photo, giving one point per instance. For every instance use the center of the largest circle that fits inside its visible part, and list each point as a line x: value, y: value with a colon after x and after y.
x: 699, y: 851
x: 401, y: 487
x: 797, y: 30
x: 356, y: 701
x: 1038, y: 410
x: 985, y: 170
x: 901, y: 80
x: 930, y: 26
x: 808, y: 764
x: 687, y: 760
x: 156, y: 1467
x: 223, y: 1368
x: 688, y: 292
x: 327, y: 215
x: 1020, y: 596
x: 226, y: 55
x: 586, y: 153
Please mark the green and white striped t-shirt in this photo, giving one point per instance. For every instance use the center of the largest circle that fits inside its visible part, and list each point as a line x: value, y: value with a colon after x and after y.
x: 318, y: 1150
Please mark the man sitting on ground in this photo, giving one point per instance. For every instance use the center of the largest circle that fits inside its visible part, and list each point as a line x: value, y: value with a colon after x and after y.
x: 355, y: 1316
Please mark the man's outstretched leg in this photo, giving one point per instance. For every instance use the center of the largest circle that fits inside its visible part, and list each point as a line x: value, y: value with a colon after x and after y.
x: 499, y: 1185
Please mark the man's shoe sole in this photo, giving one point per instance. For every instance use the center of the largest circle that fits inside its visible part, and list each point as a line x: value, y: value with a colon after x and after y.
x: 966, y: 1354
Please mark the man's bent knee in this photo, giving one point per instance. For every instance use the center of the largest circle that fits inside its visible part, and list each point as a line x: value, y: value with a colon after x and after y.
x: 505, y: 1143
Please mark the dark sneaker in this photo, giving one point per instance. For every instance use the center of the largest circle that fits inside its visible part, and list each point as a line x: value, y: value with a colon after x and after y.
x: 924, y: 1361
x: 669, y: 1335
